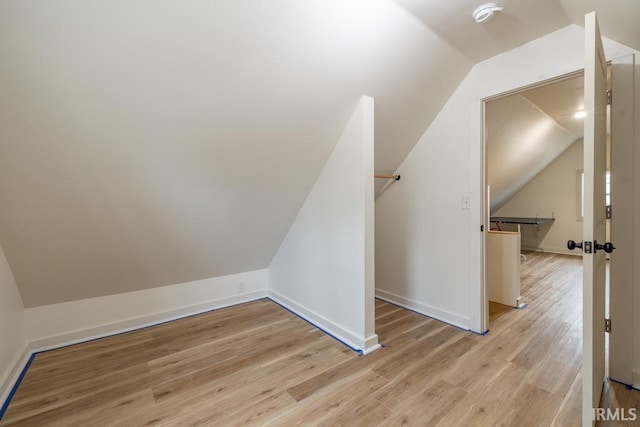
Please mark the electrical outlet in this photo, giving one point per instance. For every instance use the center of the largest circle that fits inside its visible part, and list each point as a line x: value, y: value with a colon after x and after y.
x: 240, y: 288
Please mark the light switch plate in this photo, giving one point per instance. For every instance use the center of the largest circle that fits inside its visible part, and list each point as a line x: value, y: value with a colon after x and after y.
x: 465, y: 202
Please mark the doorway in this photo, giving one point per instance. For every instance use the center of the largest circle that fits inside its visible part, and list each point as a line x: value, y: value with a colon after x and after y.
x: 533, y: 169
x: 536, y: 238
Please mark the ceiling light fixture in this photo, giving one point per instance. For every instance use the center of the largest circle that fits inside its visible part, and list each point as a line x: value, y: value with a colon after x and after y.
x: 580, y: 114
x: 485, y: 12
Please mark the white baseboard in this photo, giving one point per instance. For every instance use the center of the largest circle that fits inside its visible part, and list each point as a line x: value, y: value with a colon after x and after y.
x: 371, y: 349
x: 427, y: 310
x: 13, y: 375
x: 115, y: 328
x: 55, y: 325
x: 560, y: 251
x: 364, y: 345
x: 129, y: 325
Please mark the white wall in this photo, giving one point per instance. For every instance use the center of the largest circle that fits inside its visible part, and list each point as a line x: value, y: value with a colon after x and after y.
x: 428, y: 247
x: 12, y: 332
x: 54, y: 325
x: 636, y: 225
x: 554, y: 191
x: 151, y: 143
x: 324, y: 268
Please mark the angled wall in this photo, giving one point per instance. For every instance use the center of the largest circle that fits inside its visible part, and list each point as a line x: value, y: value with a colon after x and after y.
x: 522, y: 140
x: 324, y: 268
x: 146, y: 144
x: 13, y: 339
x: 554, y: 191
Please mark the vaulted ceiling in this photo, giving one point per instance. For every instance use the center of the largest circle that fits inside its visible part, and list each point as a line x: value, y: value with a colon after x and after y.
x: 527, y: 131
x: 152, y: 142
x: 522, y: 21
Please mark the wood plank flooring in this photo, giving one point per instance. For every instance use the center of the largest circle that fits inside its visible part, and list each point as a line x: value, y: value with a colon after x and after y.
x: 258, y: 364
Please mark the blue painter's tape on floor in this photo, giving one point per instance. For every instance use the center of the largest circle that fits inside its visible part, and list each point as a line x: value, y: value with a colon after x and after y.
x: 5, y: 405
x: 429, y: 317
x: 627, y: 386
x: 360, y: 352
x: 16, y: 385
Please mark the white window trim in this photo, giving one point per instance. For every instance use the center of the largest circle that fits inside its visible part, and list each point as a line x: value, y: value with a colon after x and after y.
x: 580, y: 194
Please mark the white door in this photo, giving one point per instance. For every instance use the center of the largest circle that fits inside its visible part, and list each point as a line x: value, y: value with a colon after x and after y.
x: 594, y: 233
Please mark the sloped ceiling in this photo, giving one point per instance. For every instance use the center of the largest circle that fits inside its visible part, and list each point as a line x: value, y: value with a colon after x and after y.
x: 521, y: 142
x: 522, y: 21
x: 152, y: 142
x: 526, y: 132
x: 560, y: 101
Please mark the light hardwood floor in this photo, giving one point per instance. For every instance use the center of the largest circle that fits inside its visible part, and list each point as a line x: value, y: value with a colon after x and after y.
x: 258, y: 364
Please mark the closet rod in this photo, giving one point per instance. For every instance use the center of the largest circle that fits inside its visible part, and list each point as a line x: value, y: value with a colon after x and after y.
x: 394, y: 177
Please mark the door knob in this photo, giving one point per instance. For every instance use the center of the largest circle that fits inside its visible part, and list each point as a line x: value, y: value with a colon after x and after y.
x: 572, y: 245
x: 607, y: 247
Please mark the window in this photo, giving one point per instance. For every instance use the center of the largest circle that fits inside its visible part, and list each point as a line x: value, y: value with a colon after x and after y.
x: 580, y: 195
x: 607, y: 189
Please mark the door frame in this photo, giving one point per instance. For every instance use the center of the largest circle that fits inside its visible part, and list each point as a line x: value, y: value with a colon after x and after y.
x: 484, y: 203
x: 621, y: 278
x: 625, y: 159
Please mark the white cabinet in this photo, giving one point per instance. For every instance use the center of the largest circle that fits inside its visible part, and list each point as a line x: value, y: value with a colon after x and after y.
x: 503, y: 267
